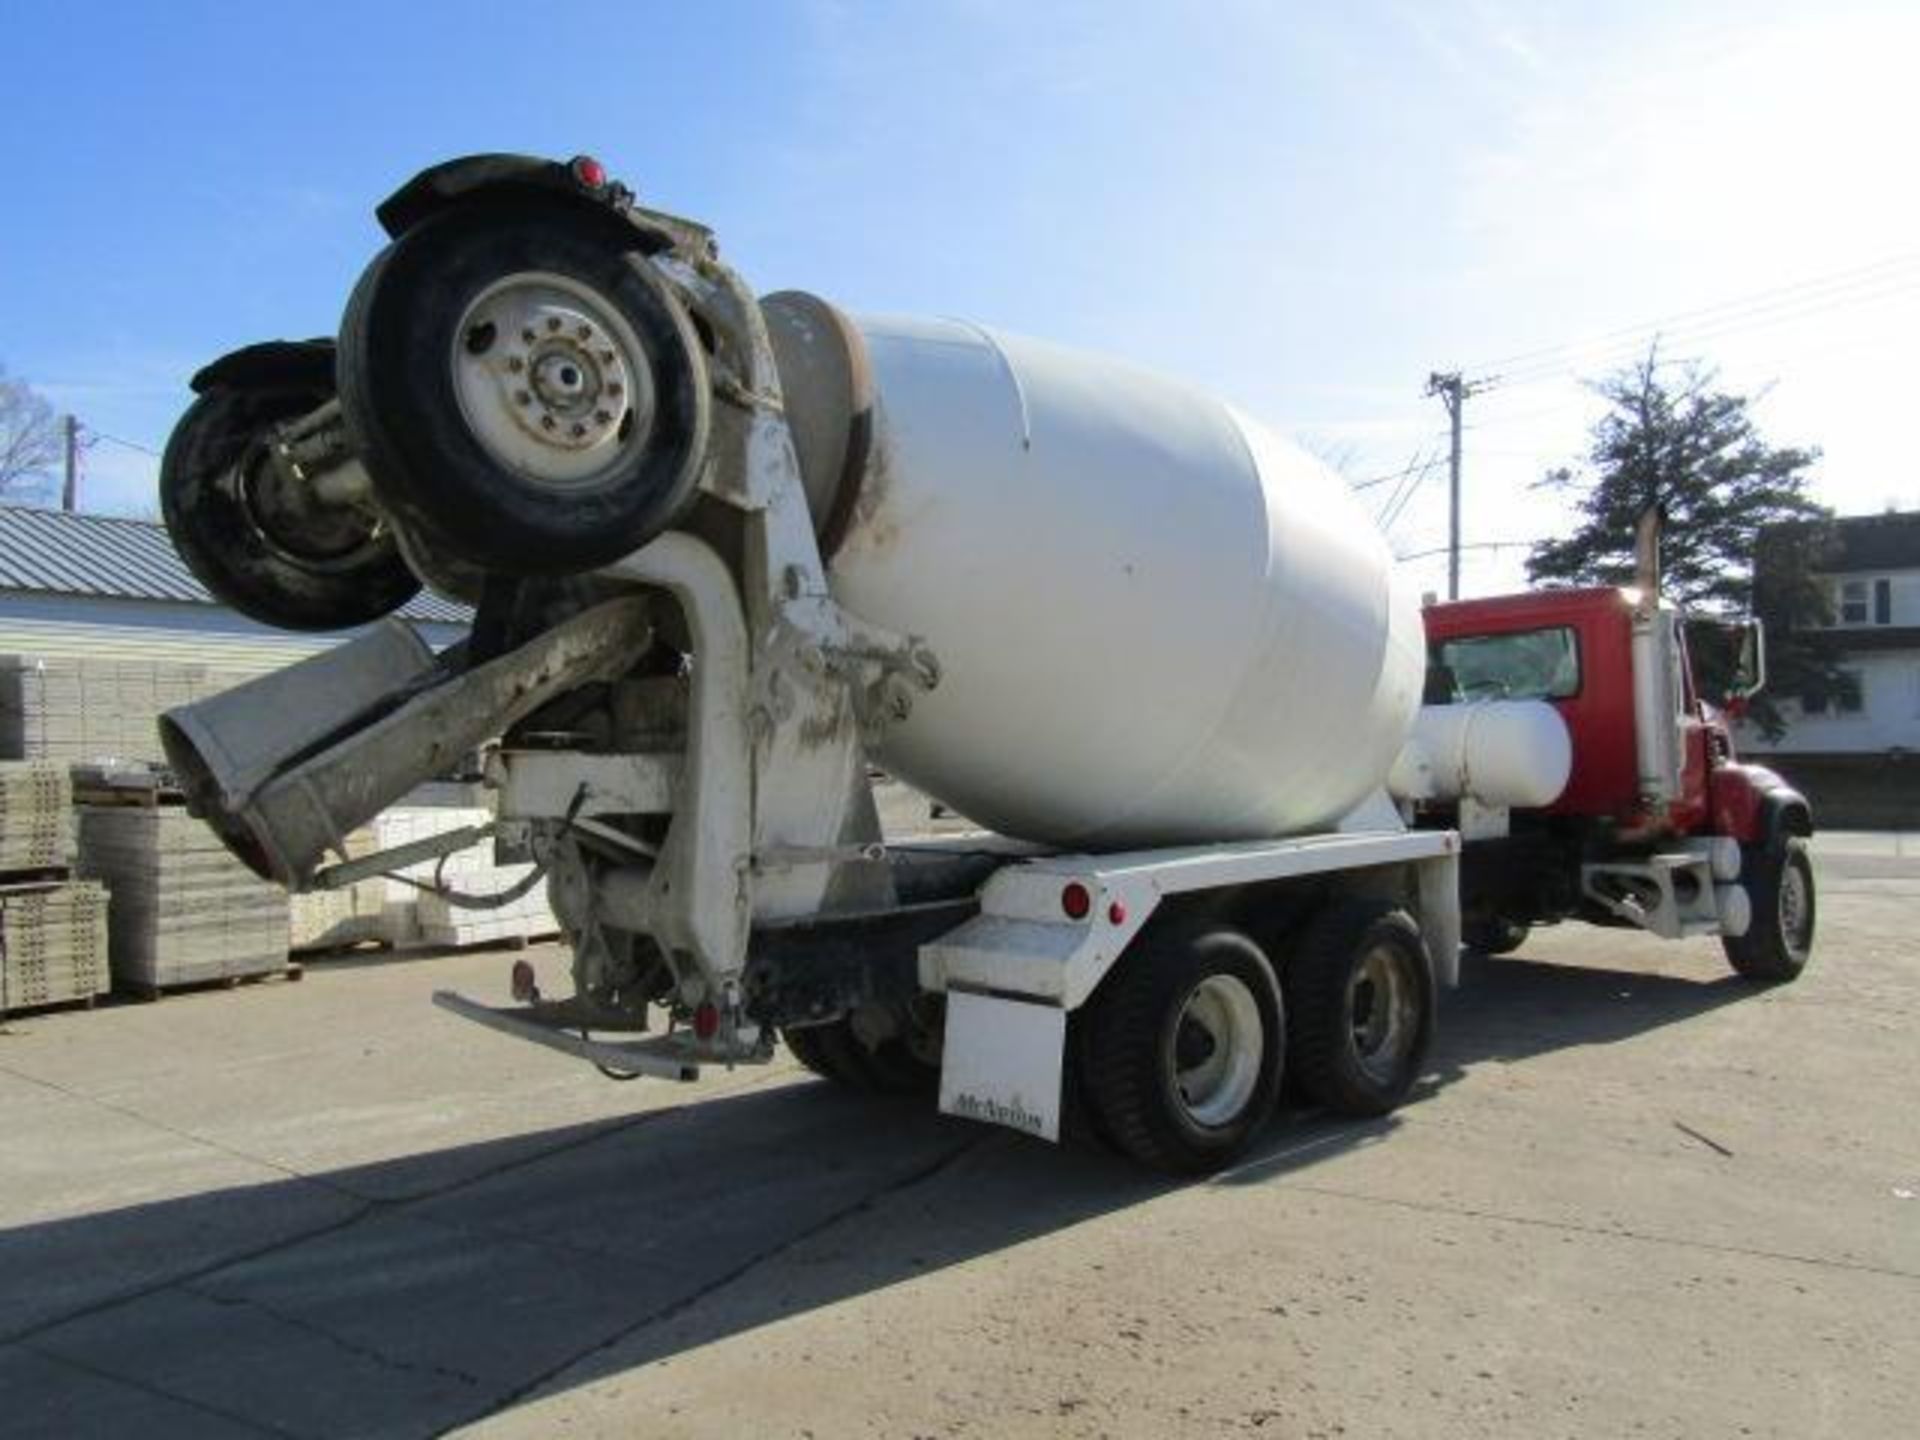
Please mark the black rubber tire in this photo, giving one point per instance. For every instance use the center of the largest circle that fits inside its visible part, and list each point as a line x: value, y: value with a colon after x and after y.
x: 207, y: 479
x: 806, y: 1044
x: 1773, y: 952
x: 1325, y: 990
x: 1495, y: 935
x: 1132, y: 1045
x: 397, y: 392
x: 834, y: 1052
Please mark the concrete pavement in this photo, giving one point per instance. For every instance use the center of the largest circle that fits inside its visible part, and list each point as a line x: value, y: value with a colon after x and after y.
x: 1637, y: 1198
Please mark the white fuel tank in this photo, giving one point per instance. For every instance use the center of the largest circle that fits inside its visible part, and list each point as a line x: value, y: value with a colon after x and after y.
x: 1157, y: 622
x: 1498, y: 752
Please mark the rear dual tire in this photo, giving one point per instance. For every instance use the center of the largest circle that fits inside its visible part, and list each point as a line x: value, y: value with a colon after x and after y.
x: 1361, y: 1007
x: 1184, y: 1048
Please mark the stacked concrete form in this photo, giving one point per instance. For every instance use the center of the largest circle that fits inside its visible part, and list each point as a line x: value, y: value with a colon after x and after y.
x: 36, y: 817
x: 74, y: 708
x: 53, y: 943
x: 351, y: 915
x: 183, y: 910
x: 414, y: 917
x: 53, y: 936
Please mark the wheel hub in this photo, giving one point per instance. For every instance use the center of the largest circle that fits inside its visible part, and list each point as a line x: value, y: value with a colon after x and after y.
x: 291, y: 518
x: 1793, y: 905
x: 1218, y: 1043
x: 551, y: 379
x: 1380, y: 1008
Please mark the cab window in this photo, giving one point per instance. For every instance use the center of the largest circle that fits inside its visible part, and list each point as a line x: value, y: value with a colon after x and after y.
x: 1519, y: 665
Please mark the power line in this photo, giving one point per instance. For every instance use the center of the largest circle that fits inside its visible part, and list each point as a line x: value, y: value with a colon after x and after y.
x: 1372, y: 480
x: 1402, y: 496
x: 1472, y: 545
x: 1692, y: 335
x: 97, y: 434
x: 1822, y: 290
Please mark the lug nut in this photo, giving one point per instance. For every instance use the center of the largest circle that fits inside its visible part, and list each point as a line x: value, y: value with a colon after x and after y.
x: 585, y: 332
x: 603, y: 417
x: 546, y: 422
x: 613, y: 387
x: 606, y: 356
x: 516, y: 364
x: 528, y: 335
x: 578, y: 430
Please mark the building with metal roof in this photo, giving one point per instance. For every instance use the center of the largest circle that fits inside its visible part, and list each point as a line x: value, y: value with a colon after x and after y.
x: 82, y: 585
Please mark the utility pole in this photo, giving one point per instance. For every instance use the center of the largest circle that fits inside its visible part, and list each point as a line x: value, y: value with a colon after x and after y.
x: 1453, y: 392
x: 70, y: 490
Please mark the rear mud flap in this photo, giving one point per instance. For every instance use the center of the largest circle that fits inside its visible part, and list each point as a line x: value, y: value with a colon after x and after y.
x: 1003, y: 1061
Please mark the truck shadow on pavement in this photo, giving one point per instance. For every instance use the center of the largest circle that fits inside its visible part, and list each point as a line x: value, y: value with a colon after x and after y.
x: 416, y: 1294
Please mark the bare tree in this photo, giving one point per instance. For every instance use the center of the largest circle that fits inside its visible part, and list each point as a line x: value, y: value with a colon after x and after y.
x: 29, y: 439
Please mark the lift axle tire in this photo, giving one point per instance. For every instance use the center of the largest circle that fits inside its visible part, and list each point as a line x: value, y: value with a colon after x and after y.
x: 834, y: 1052
x: 808, y: 1044
x: 1185, y: 1048
x: 1779, y: 939
x: 522, y: 391
x: 1360, y: 1007
x: 257, y: 548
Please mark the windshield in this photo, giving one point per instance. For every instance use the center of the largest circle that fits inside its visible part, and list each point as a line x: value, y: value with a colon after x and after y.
x: 1520, y: 665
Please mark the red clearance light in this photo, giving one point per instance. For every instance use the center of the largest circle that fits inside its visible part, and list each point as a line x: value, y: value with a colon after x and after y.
x: 1116, y: 913
x: 706, y: 1021
x: 589, y: 171
x: 1076, y: 900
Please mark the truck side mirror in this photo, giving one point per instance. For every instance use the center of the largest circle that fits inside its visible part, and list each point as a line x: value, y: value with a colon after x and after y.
x: 1750, y: 669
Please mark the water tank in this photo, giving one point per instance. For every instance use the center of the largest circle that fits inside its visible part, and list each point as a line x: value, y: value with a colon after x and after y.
x: 1157, y: 622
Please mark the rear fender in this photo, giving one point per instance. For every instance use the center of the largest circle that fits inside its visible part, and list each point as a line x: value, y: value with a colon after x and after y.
x: 474, y: 177
x: 271, y: 365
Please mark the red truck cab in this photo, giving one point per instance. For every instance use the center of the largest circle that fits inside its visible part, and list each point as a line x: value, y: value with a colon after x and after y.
x: 1654, y: 783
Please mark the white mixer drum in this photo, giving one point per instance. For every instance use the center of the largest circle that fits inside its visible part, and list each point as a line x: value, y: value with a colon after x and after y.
x: 1156, y: 621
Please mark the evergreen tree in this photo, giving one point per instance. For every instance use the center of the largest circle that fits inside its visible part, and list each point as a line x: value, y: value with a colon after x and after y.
x: 1742, y: 532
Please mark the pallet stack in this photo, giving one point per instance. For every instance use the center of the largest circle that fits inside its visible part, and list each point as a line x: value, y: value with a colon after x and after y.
x: 73, y: 708
x: 414, y: 917
x: 53, y: 930
x: 351, y: 915
x: 183, y: 911
x: 53, y: 944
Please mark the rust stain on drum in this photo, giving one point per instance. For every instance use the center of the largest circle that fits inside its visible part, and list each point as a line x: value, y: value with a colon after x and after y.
x: 871, y: 528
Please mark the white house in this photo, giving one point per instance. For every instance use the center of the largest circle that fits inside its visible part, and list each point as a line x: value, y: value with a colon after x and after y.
x: 1860, y: 752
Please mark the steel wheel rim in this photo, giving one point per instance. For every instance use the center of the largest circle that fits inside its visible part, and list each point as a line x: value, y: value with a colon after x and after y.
x: 1795, y: 912
x: 1219, y: 1042
x: 551, y: 379
x: 1381, y: 1014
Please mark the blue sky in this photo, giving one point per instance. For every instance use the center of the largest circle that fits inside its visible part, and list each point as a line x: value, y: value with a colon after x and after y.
x: 1303, y: 207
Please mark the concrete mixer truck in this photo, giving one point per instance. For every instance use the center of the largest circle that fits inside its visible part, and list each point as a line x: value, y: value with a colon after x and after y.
x: 727, y: 553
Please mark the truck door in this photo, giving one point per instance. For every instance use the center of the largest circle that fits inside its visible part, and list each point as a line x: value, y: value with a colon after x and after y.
x: 1696, y: 760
